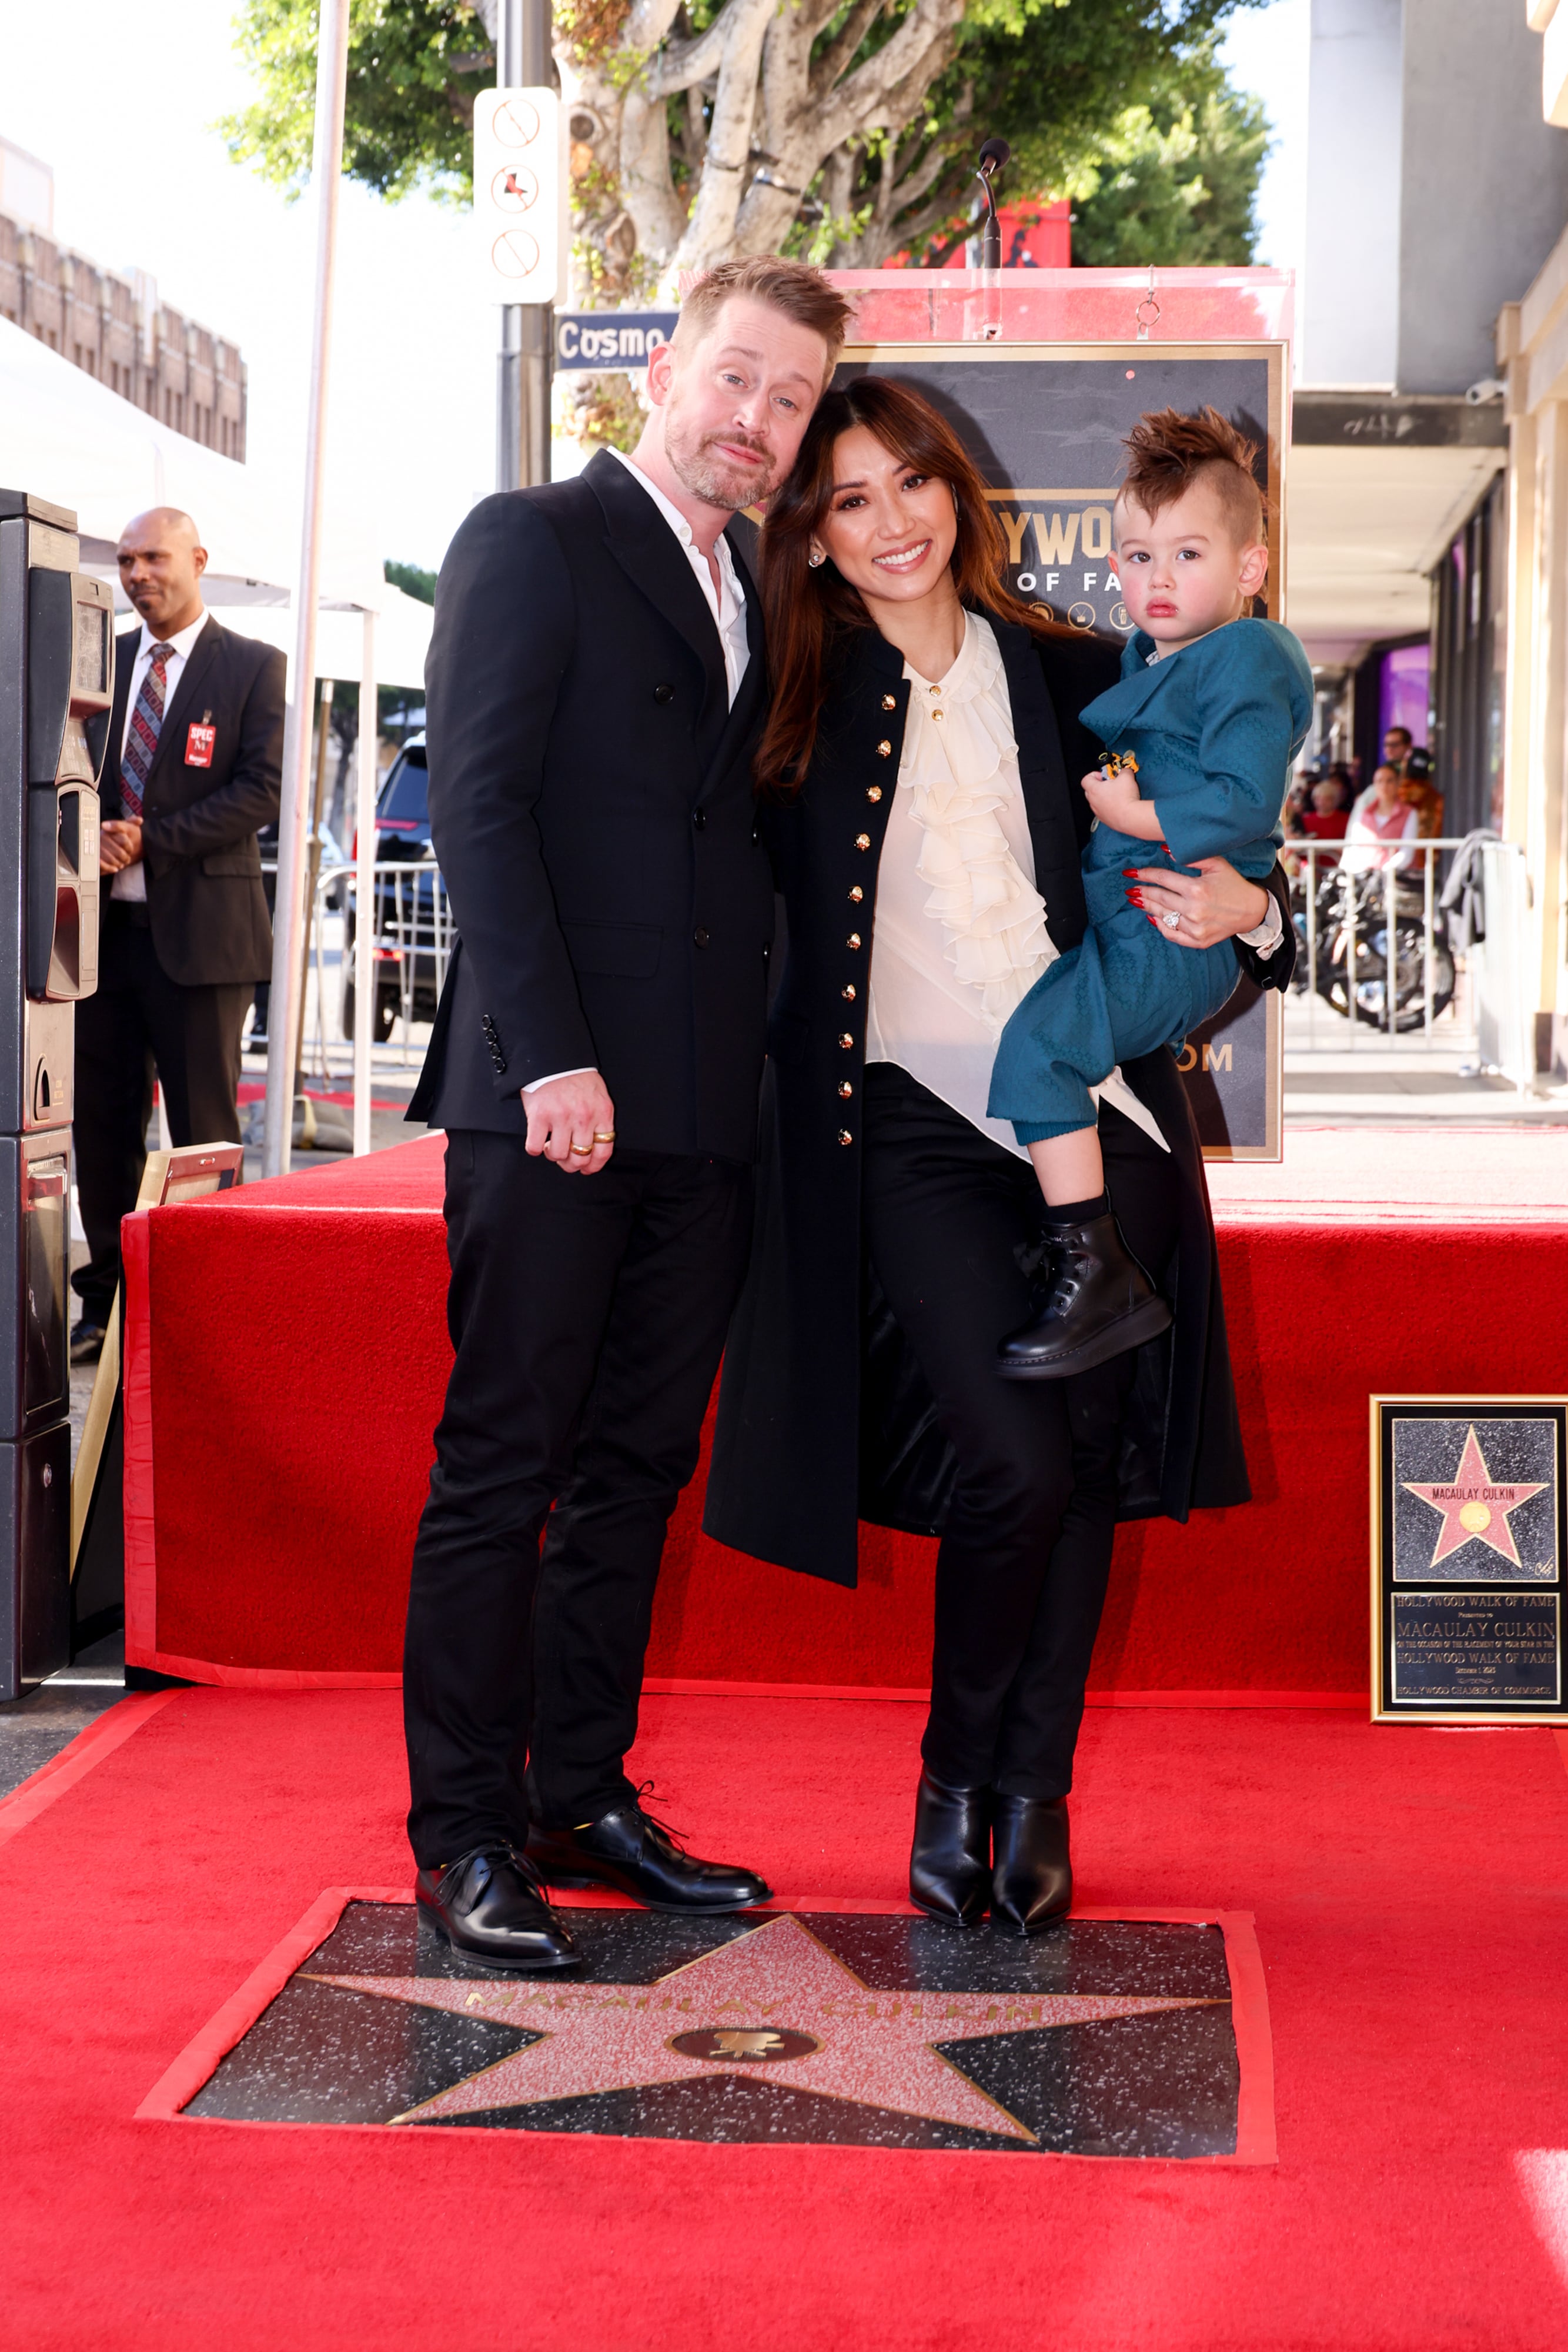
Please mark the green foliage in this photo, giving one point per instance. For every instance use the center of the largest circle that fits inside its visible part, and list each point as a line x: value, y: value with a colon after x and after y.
x: 412, y: 579
x: 414, y: 70
x: 1093, y: 95
x: 1175, y: 184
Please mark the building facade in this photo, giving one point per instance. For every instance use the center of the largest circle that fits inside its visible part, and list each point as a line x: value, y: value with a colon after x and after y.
x: 112, y: 323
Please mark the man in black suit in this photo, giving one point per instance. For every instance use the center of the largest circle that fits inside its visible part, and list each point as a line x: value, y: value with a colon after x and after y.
x: 594, y: 692
x: 194, y: 766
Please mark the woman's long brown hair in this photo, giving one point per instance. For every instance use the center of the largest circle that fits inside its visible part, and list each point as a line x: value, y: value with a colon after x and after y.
x: 808, y: 610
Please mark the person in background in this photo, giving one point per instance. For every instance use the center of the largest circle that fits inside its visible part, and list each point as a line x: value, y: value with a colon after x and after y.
x: 1329, y: 815
x: 194, y: 767
x: 1396, y: 743
x: 1380, y: 822
x: 1418, y: 792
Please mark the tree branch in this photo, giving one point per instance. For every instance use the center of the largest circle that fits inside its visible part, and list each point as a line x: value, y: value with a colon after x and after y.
x: 840, y: 55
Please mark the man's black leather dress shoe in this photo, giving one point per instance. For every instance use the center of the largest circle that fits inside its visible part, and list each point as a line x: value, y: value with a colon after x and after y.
x: 950, y: 1861
x: 1031, y: 1879
x: 490, y: 1906
x: 1102, y: 1303
x: 627, y: 1850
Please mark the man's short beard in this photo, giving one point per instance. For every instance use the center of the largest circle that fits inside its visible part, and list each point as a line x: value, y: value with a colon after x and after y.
x: 715, y: 482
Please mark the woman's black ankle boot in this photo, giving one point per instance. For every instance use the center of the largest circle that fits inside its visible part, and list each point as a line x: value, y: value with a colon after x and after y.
x: 950, y: 1861
x: 1033, y: 1880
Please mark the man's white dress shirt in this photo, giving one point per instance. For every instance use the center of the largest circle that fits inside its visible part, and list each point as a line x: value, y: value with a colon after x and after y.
x: 130, y: 882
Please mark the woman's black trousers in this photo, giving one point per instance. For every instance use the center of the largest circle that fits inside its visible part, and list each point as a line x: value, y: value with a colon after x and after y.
x: 953, y: 1224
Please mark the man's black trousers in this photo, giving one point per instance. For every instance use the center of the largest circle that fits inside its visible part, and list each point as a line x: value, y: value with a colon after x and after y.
x: 953, y: 1227
x: 137, y: 1021
x: 588, y: 1315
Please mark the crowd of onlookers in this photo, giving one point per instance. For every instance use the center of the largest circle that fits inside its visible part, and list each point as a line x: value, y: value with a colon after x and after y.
x: 1379, y: 826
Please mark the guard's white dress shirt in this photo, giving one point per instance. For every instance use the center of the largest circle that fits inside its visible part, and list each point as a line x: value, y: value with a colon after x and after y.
x: 960, y: 935
x: 130, y: 882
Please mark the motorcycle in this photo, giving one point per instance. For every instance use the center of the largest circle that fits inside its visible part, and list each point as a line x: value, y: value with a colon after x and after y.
x: 1353, y: 923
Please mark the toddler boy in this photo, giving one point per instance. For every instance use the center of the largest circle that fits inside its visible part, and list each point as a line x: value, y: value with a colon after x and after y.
x: 1204, y: 726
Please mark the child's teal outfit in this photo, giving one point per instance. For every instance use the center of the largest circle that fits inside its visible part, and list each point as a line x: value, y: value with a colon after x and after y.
x: 1215, y: 730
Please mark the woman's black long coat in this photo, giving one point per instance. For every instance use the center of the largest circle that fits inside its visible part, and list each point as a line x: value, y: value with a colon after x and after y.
x: 823, y: 1417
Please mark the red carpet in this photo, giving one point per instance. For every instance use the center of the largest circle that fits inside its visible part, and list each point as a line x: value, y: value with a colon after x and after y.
x: 287, y: 1354
x: 1407, y: 1886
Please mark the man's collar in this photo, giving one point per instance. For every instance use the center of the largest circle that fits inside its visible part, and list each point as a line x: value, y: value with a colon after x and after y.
x: 182, y: 639
x: 666, y: 506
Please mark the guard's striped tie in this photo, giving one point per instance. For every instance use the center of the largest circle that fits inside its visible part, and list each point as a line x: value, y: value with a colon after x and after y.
x: 142, y: 736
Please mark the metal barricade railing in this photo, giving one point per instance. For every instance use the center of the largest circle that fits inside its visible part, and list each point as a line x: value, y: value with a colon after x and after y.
x: 1359, y: 950
x: 414, y: 938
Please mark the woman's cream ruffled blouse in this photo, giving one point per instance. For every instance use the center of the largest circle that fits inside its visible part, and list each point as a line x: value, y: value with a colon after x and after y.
x: 960, y: 935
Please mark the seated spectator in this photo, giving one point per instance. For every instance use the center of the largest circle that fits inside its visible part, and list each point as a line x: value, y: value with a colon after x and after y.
x: 1330, y: 812
x: 1418, y: 792
x: 1396, y: 741
x: 1378, y: 822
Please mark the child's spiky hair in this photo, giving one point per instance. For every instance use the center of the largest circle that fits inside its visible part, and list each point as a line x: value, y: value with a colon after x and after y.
x: 1168, y: 453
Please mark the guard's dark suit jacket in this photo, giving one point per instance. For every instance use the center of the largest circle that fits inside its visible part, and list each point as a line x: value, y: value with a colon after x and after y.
x: 823, y: 1414
x: 594, y: 933
x: 205, y: 898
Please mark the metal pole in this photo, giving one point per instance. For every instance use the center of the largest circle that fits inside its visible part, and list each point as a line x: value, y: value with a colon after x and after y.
x: 1428, y: 919
x: 365, y: 890
x: 523, y: 60
x: 326, y: 168
x: 1390, y: 951
x: 312, y: 876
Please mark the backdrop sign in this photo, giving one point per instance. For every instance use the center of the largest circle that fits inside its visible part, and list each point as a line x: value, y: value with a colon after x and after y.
x: 1045, y: 424
x: 1467, y: 1548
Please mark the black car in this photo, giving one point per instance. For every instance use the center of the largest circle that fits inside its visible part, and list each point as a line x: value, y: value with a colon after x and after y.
x: 412, y: 923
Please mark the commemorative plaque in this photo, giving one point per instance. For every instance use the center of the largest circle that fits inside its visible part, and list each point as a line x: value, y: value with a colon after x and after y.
x: 1468, y: 1540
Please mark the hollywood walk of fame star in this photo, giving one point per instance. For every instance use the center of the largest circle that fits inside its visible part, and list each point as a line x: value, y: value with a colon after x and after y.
x: 776, y: 1985
x: 1474, y: 1507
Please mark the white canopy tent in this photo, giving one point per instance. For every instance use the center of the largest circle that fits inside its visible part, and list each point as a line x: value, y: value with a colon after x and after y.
x: 67, y: 437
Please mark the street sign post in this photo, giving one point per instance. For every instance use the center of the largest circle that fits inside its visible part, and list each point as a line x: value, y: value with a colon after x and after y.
x: 518, y: 209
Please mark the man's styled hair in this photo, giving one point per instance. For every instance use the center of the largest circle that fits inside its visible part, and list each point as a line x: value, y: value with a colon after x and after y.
x: 801, y: 293
x: 1168, y: 453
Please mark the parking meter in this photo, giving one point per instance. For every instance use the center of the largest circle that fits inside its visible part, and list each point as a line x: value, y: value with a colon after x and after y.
x: 56, y: 688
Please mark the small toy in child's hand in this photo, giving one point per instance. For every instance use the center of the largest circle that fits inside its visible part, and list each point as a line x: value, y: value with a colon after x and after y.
x: 1112, y: 789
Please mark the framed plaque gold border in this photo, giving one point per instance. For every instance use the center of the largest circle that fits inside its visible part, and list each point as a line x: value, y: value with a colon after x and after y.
x: 1382, y: 1711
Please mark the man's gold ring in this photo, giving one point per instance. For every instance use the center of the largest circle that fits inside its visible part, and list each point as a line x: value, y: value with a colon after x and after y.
x: 583, y: 1150
x: 604, y: 1135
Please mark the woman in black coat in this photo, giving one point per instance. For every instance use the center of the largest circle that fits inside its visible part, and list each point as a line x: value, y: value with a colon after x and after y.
x: 899, y: 1238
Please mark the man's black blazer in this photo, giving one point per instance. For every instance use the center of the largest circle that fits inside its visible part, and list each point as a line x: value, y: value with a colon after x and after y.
x: 199, y: 825
x: 590, y: 806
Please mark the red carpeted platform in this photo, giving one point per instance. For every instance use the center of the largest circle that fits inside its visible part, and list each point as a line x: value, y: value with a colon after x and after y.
x: 1407, y: 1890
x: 287, y: 1355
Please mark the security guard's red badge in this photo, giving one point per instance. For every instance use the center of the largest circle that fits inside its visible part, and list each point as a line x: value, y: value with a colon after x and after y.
x: 199, y: 742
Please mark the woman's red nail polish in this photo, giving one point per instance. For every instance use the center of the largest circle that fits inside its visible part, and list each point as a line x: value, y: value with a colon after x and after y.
x: 1130, y: 873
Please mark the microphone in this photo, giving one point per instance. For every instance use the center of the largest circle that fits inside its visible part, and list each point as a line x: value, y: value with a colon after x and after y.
x: 994, y: 154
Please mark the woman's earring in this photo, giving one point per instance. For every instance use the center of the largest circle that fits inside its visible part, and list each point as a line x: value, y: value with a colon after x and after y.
x: 816, y: 558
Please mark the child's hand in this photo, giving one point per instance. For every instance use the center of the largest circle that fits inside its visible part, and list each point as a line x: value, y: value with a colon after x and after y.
x: 1113, y: 797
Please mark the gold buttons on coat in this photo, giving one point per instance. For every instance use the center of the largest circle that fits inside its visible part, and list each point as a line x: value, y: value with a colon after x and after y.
x: 890, y: 702
x: 885, y: 750
x: 846, y: 1090
x: 849, y: 993
x: 845, y: 1040
x: 856, y: 895
x: 873, y: 792
x: 862, y: 841
x: 854, y: 941
x: 844, y: 1135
